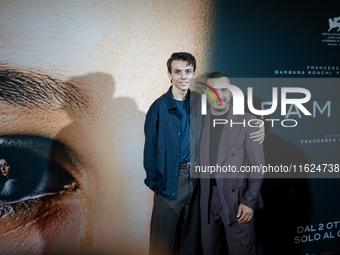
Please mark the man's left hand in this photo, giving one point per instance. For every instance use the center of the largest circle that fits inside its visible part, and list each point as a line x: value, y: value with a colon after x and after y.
x: 245, y: 212
x: 258, y: 136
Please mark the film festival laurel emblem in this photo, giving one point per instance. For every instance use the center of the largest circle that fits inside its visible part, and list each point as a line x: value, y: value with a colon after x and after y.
x: 332, y: 37
x: 334, y: 23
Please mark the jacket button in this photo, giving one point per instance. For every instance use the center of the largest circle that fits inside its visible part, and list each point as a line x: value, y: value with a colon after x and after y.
x: 179, y: 133
x: 232, y: 154
x: 232, y: 190
x: 173, y: 194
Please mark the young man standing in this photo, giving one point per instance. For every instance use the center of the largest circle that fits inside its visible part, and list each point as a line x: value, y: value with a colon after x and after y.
x: 228, y: 200
x: 166, y: 158
x: 175, y: 216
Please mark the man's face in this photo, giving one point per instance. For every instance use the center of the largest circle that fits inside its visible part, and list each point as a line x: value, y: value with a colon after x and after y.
x: 4, y: 167
x: 224, y: 93
x: 84, y: 93
x: 181, y: 74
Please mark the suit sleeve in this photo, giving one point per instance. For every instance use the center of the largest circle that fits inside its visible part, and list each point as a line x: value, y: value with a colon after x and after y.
x: 150, y: 149
x: 255, y: 155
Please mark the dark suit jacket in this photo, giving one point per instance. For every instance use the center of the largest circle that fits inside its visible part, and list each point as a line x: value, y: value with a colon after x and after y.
x: 235, y: 149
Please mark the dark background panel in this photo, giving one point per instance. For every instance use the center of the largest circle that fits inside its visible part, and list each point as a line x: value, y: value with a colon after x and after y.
x: 255, y: 38
x: 252, y: 40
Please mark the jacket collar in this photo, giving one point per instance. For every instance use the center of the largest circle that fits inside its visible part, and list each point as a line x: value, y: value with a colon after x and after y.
x: 170, y: 104
x: 229, y: 135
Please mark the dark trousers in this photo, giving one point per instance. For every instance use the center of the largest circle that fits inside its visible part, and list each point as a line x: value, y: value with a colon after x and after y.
x: 240, y: 237
x: 175, y: 224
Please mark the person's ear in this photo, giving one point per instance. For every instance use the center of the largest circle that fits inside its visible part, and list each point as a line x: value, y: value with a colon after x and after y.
x: 170, y: 77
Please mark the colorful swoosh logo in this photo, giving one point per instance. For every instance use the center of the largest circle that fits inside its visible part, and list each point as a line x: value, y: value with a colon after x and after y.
x: 209, y: 92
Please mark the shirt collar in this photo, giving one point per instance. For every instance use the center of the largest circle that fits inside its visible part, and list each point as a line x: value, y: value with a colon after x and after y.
x: 169, y: 100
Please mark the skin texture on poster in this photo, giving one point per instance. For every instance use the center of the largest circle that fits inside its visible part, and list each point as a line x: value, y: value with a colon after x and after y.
x: 76, y: 79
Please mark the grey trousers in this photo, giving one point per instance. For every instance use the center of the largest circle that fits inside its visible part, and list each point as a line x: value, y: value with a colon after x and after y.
x: 240, y: 237
x: 175, y: 224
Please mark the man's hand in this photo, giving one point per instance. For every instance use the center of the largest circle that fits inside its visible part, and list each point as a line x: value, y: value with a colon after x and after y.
x: 246, y: 212
x: 258, y: 136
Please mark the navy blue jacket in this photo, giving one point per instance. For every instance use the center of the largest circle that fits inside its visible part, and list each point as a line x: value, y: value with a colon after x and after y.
x: 162, y: 131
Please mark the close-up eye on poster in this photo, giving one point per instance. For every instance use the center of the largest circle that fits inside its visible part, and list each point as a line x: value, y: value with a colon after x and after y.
x: 192, y: 127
